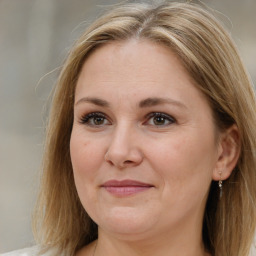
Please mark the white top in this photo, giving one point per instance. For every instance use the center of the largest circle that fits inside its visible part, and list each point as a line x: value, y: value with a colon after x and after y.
x: 32, y: 251
x: 253, y: 248
x: 23, y: 252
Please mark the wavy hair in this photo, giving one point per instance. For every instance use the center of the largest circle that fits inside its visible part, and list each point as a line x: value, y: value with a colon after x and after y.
x: 212, y: 61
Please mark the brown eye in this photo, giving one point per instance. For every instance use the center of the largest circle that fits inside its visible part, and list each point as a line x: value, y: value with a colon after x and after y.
x: 95, y: 119
x: 98, y: 120
x: 159, y: 119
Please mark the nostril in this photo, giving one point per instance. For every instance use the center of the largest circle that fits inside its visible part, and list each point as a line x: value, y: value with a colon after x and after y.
x: 123, y: 159
x: 128, y: 162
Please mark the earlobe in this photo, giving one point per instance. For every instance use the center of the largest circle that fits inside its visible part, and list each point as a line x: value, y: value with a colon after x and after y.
x: 229, y: 151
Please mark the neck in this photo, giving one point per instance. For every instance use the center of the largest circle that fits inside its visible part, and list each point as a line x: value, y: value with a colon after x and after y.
x: 164, y: 245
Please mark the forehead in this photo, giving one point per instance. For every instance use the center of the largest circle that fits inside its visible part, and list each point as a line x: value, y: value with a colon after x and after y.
x: 135, y: 69
x: 133, y: 59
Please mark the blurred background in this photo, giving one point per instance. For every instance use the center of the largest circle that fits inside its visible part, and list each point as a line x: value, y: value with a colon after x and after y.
x: 35, y: 36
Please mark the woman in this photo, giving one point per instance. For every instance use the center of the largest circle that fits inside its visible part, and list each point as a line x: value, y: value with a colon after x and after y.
x: 150, y: 147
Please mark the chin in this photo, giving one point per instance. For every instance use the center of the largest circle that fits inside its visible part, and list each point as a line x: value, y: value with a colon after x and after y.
x: 126, y: 221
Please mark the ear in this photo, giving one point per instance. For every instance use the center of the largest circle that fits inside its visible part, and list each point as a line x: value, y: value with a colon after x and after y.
x: 228, y: 153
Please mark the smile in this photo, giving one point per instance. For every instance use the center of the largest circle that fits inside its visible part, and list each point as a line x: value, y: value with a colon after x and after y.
x: 125, y: 187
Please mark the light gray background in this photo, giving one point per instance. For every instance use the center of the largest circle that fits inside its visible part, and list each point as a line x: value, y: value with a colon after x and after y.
x: 35, y: 36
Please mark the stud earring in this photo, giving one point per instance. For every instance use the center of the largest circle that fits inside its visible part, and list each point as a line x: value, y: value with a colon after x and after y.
x: 220, y: 184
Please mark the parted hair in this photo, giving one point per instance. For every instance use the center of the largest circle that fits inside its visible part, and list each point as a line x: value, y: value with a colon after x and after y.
x: 212, y: 61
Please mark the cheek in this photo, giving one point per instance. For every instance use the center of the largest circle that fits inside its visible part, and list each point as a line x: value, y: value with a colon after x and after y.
x: 185, y: 163
x: 84, y: 151
x: 86, y: 159
x: 86, y: 156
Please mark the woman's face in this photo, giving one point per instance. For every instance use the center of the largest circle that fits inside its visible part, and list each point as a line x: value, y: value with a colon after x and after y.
x: 143, y: 144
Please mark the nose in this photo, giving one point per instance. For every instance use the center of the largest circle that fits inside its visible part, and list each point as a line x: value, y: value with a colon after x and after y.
x: 124, y: 149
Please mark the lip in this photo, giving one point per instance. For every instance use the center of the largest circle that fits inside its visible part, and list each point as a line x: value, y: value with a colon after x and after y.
x: 125, y: 187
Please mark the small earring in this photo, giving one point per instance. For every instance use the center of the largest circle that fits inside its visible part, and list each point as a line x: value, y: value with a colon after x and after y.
x: 220, y: 184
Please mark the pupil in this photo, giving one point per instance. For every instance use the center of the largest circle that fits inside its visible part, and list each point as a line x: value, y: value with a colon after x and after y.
x: 98, y: 120
x: 159, y: 120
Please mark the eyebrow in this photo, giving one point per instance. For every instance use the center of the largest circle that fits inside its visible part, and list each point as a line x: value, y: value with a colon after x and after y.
x: 149, y: 102
x: 95, y: 101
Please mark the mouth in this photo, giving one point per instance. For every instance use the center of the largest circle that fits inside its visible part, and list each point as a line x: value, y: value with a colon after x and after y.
x: 125, y: 187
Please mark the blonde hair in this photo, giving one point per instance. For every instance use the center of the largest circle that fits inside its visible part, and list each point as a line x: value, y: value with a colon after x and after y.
x: 210, y: 57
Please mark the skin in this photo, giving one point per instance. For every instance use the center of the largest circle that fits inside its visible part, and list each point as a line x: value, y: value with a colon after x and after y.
x: 179, y: 155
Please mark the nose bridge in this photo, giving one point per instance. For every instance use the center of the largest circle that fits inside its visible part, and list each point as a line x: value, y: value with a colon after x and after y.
x: 122, y: 140
x: 123, y: 147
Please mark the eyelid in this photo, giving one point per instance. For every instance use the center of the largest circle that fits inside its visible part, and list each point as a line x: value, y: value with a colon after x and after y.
x: 86, y: 117
x: 168, y: 117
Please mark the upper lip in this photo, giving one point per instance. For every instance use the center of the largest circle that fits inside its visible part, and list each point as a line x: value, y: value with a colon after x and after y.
x: 125, y: 183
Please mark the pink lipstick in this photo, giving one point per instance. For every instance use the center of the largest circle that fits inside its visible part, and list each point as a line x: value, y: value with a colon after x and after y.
x: 125, y: 187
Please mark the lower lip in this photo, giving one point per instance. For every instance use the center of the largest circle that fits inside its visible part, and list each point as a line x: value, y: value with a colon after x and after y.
x: 126, y: 191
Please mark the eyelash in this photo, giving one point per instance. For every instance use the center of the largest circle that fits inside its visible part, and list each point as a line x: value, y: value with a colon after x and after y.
x: 91, y: 117
x: 88, y: 118
x: 165, y: 117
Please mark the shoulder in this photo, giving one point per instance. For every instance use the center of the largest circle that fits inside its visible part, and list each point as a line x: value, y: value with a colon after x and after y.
x: 88, y: 249
x: 253, y: 248
x: 23, y: 252
x: 31, y: 251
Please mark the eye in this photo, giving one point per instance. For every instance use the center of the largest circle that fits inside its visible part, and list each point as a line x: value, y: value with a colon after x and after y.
x: 95, y: 119
x: 160, y: 119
